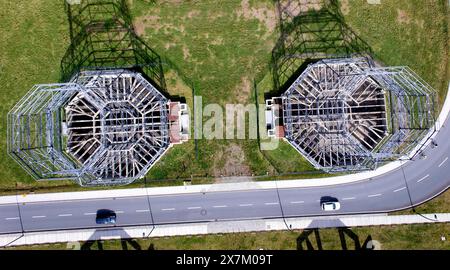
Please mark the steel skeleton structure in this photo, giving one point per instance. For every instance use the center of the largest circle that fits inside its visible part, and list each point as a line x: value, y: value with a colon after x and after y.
x: 104, y: 127
x: 347, y: 114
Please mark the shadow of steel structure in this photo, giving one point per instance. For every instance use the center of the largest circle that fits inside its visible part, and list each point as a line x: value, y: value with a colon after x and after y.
x: 311, y: 30
x: 102, y: 36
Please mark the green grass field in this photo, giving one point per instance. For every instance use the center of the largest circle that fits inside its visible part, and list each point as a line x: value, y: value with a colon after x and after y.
x: 402, y: 237
x: 220, y: 51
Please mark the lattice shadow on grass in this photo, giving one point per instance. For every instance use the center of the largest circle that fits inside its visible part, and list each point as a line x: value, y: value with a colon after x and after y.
x: 310, y: 31
x: 306, y: 240
x: 103, y: 37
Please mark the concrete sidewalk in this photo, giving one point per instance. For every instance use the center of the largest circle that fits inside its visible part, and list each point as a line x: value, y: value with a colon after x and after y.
x: 75, y: 236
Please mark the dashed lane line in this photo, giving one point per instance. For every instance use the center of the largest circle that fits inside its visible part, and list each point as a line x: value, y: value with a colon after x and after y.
x: 12, y: 218
x: 271, y: 203
x: 39, y: 216
x: 220, y: 206
x: 297, y: 202
x: 348, y: 198
x: 168, y: 209
x: 65, y: 215
x: 89, y: 214
x: 194, y: 207
x: 375, y: 195
x: 246, y: 205
x: 442, y: 163
x: 423, y: 178
x: 399, y: 189
x: 142, y: 211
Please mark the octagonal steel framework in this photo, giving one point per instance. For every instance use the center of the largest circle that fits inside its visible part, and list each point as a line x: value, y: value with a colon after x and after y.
x: 347, y: 114
x: 102, y: 128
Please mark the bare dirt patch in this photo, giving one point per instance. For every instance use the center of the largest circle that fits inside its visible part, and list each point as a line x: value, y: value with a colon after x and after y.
x: 192, y: 14
x: 218, y: 41
x: 169, y: 45
x: 234, y: 162
x: 243, y: 90
x: 345, y: 7
x: 294, y: 8
x: 403, y: 16
x: 141, y: 23
x: 186, y: 53
x: 263, y: 13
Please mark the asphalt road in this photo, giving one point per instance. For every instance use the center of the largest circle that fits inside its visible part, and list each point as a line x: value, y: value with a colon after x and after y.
x: 415, y: 182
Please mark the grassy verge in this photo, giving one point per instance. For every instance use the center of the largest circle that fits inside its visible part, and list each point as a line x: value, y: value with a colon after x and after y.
x: 401, y: 237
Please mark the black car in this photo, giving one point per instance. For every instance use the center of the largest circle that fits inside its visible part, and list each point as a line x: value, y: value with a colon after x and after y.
x: 105, y: 216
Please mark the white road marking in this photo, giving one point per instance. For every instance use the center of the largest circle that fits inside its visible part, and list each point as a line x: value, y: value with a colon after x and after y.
x: 399, y: 189
x: 423, y: 178
x: 297, y: 202
x: 220, y: 206
x: 65, y: 215
x: 12, y: 218
x: 348, y: 198
x: 89, y: 214
x: 143, y: 210
x: 38, y: 216
x: 120, y: 212
x: 168, y: 209
x: 375, y: 195
x: 194, y: 207
x: 442, y: 163
x: 246, y: 204
x: 271, y: 203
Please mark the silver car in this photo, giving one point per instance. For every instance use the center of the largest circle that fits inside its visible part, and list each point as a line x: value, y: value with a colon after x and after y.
x: 330, y: 206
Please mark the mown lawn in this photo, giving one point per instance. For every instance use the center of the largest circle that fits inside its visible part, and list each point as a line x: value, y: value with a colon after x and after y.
x: 401, y: 237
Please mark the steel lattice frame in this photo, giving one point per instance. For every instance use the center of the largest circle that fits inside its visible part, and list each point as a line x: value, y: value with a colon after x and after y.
x: 34, y: 128
x: 105, y: 127
x: 346, y: 114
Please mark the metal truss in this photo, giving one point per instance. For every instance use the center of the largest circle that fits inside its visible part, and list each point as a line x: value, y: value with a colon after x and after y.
x: 104, y: 127
x: 34, y: 128
x: 347, y: 114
